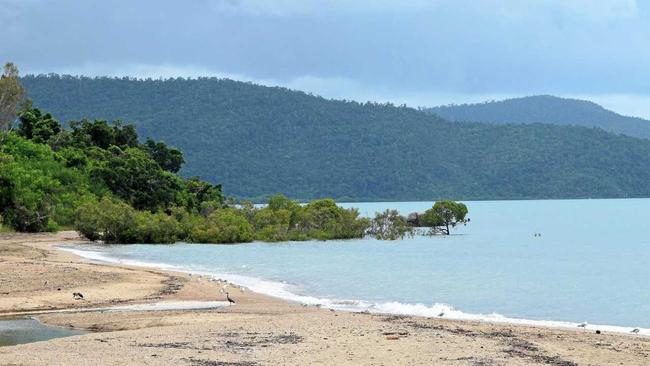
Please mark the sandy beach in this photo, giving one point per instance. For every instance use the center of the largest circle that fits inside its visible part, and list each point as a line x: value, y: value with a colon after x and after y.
x: 39, y: 280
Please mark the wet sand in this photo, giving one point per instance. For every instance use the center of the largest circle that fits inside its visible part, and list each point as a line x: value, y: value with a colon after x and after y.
x: 258, y: 330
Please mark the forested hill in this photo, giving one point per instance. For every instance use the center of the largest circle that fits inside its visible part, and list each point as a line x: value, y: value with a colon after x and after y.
x: 546, y: 109
x: 259, y: 140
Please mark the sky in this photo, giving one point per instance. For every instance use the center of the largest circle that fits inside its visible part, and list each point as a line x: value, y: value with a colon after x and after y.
x: 417, y: 52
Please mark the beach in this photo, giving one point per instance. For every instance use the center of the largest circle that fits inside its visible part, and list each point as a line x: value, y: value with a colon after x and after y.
x: 39, y: 280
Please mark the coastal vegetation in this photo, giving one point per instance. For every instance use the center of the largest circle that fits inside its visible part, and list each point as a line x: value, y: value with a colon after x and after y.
x: 258, y: 140
x: 98, y: 178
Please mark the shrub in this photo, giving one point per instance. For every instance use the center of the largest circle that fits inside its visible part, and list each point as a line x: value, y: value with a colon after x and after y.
x: 223, y: 226
x: 390, y: 225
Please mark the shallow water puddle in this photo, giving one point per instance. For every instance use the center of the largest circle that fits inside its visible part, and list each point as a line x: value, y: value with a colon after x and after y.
x: 22, y: 330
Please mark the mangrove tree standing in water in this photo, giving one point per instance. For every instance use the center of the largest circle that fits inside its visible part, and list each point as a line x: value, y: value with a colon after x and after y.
x: 443, y: 215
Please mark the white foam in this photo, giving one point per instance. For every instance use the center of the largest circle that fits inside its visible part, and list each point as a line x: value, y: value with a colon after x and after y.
x: 103, y: 258
x: 288, y: 292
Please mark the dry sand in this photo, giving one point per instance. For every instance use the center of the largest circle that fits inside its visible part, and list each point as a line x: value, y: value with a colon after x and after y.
x: 258, y: 330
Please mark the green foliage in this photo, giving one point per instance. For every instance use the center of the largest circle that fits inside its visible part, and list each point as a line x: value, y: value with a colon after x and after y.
x: 101, y: 134
x: 38, y: 127
x: 223, y: 226
x: 132, y: 175
x: 37, y: 191
x: 444, y: 214
x: 170, y: 159
x: 112, y: 189
x: 323, y: 219
x: 113, y: 221
x: 73, y: 158
x: 203, y: 196
x: 390, y: 225
x: 107, y: 220
x: 258, y: 140
x: 281, y: 202
x: 272, y: 225
x: 48, y: 172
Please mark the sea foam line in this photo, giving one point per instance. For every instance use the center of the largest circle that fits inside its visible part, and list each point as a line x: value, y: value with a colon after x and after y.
x: 283, y: 291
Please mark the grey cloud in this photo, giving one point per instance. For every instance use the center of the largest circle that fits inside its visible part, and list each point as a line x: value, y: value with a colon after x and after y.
x: 413, y: 48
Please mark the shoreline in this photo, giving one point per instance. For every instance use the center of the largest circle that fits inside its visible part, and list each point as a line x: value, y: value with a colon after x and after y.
x: 269, y: 330
x: 279, y: 291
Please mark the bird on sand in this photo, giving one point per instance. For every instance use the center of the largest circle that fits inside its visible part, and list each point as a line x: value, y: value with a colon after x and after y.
x: 583, y: 325
x: 635, y: 331
x: 77, y: 296
x: 230, y: 301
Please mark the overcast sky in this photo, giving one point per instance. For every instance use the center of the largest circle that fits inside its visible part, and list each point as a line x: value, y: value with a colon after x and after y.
x: 422, y: 53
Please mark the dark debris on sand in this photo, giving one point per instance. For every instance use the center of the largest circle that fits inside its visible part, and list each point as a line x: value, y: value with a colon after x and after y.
x: 172, y: 285
x: 199, y: 362
x: 232, y: 341
x: 248, y: 341
x: 524, y: 349
x: 516, y: 347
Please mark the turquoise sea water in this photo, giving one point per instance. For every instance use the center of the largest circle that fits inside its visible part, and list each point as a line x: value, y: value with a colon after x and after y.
x: 591, y: 263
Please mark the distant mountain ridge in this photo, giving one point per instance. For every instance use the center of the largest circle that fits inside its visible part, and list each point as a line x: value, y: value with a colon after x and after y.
x: 546, y: 109
x: 258, y: 140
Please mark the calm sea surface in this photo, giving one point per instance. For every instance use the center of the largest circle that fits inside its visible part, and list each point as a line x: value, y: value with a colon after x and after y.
x: 591, y: 263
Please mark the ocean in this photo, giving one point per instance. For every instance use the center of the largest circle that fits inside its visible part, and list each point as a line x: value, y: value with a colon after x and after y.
x: 590, y: 264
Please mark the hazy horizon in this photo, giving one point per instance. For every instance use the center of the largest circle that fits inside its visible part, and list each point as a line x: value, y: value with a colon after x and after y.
x: 421, y: 53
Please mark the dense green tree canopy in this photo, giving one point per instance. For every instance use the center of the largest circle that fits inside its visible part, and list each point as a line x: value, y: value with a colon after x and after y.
x: 37, y: 191
x: 101, y: 134
x: 97, y: 178
x: 257, y: 141
x: 48, y: 172
x: 38, y: 127
x: 135, y: 177
x: 168, y: 158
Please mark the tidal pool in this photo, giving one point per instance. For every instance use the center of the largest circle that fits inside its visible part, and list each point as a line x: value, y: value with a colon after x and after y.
x: 15, y: 331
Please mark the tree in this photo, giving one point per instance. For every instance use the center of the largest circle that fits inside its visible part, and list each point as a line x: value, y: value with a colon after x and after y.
x: 323, y: 219
x: 37, y: 192
x: 281, y: 202
x: 168, y: 158
x: 11, y: 94
x: 444, y: 214
x: 102, y: 134
x: 37, y: 126
x: 136, y: 178
x: 257, y: 141
x: 390, y: 225
x: 203, y: 196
